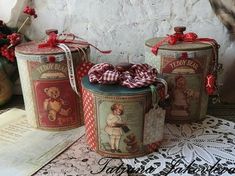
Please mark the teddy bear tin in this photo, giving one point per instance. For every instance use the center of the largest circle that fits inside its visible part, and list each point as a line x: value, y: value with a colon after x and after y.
x: 189, y: 65
x: 51, y: 99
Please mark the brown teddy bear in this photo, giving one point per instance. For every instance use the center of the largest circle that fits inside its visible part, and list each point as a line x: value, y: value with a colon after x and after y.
x: 132, y: 144
x: 54, y: 103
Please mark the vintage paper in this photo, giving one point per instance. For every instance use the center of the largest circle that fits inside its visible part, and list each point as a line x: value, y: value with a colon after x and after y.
x: 153, y: 125
x: 24, y: 150
x: 56, y: 104
x: 120, y: 126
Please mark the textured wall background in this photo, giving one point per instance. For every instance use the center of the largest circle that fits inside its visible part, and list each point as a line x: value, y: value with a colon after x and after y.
x: 124, y: 25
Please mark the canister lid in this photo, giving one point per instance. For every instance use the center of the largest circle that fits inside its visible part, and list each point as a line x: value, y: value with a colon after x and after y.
x: 113, y: 89
x: 179, y: 46
x: 31, y: 48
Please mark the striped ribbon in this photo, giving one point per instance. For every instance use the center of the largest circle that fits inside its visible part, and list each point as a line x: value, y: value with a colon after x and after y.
x: 70, y: 66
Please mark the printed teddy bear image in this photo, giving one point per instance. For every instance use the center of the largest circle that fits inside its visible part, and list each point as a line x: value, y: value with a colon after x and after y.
x: 132, y: 144
x: 54, y: 104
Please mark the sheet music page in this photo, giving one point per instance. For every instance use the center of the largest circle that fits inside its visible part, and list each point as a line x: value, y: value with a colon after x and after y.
x: 24, y: 150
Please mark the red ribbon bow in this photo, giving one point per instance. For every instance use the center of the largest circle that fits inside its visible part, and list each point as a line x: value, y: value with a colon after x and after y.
x: 55, y: 100
x: 53, y: 40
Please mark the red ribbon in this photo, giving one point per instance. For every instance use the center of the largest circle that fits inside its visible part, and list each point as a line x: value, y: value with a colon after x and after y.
x: 210, y: 80
x: 53, y: 40
x: 210, y: 84
x: 188, y: 37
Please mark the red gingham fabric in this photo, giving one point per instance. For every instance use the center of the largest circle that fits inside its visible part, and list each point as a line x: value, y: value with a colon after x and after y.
x: 81, y: 71
x: 139, y: 75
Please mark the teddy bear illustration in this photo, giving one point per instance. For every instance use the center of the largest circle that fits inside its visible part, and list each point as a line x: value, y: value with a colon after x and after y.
x: 132, y: 144
x: 54, y: 104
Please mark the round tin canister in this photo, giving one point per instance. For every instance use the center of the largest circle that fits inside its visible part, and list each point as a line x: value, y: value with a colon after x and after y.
x: 116, y: 122
x: 184, y: 66
x: 50, y: 101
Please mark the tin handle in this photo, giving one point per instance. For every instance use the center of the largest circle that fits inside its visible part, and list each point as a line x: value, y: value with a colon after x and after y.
x: 124, y: 66
x: 179, y: 29
x: 48, y: 31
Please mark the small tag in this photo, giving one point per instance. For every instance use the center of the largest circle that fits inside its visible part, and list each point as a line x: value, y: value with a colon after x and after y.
x: 154, y: 125
x: 71, y: 73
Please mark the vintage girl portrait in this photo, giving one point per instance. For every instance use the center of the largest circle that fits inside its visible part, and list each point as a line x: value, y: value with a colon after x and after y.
x: 119, y: 129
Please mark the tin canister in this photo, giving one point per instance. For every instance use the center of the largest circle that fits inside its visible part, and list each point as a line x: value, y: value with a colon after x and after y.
x: 50, y: 101
x: 117, y: 122
x: 185, y: 66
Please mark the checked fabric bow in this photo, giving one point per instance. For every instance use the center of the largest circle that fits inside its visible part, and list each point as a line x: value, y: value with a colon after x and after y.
x: 136, y: 76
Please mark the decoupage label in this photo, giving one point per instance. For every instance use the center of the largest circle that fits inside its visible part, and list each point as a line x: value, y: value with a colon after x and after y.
x: 185, y: 82
x: 48, y: 70
x: 120, y: 126
x: 153, y: 125
x: 55, y: 101
x: 182, y: 65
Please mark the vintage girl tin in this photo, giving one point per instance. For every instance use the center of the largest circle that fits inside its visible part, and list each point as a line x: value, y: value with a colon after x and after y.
x: 50, y: 101
x: 185, y: 65
x: 117, y: 120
